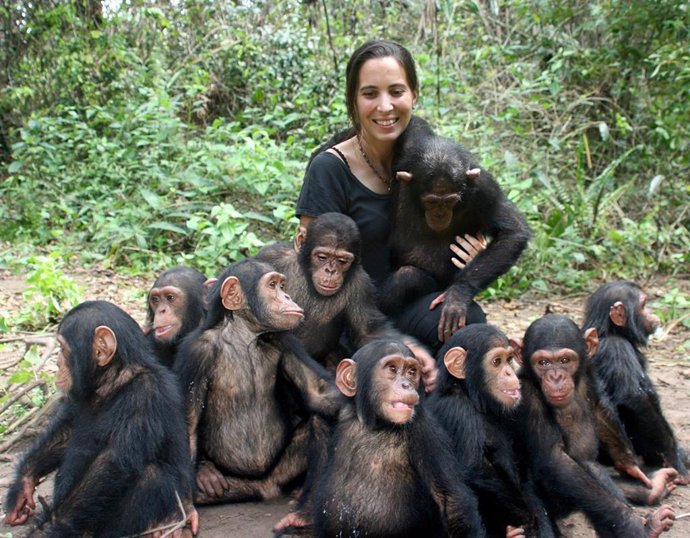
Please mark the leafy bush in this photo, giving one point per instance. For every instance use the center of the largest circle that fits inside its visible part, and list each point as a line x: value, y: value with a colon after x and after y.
x: 50, y: 292
x: 162, y: 135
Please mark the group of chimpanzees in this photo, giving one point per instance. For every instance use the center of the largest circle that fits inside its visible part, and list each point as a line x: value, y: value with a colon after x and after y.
x: 284, y: 372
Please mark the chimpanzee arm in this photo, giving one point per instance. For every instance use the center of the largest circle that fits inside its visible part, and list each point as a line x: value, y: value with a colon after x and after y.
x: 314, y: 384
x: 510, y: 234
x: 612, y: 436
x: 44, y: 457
x: 130, y: 472
x: 432, y: 457
x: 571, y: 481
x: 194, y: 371
x: 637, y: 402
x: 364, y: 321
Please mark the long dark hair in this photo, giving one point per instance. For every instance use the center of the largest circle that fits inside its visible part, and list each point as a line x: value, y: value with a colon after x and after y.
x: 380, y: 48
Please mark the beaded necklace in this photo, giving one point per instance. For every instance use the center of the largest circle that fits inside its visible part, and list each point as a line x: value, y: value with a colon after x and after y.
x: 386, y: 182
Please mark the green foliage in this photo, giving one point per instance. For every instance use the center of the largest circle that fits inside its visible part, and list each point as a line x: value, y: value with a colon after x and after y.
x: 27, y: 368
x: 673, y: 306
x: 50, y: 292
x: 167, y: 134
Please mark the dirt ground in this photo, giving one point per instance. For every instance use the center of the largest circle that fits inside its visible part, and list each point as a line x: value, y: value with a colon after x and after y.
x: 668, y: 353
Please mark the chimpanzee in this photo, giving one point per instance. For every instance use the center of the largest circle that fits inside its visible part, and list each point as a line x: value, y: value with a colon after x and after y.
x: 619, y: 312
x: 326, y: 278
x: 390, y: 471
x: 176, y: 306
x: 118, y: 440
x: 446, y: 194
x: 250, y: 388
x: 475, y: 402
x: 557, y: 436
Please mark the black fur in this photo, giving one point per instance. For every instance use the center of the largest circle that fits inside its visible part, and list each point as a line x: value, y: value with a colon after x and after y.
x: 118, y: 441
x: 352, y: 310
x: 389, y: 480
x: 559, y: 445
x: 621, y: 368
x: 191, y: 282
x: 249, y: 389
x: 420, y: 255
x: 482, y: 433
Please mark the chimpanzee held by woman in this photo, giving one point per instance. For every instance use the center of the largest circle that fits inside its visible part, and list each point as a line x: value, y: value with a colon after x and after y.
x: 407, y: 224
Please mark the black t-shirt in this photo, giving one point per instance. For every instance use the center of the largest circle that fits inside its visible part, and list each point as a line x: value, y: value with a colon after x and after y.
x: 329, y: 185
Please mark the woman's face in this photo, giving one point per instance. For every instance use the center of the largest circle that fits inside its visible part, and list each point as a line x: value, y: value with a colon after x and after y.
x: 384, y: 99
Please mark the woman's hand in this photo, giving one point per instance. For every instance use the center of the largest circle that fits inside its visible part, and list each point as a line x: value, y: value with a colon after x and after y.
x: 466, y: 249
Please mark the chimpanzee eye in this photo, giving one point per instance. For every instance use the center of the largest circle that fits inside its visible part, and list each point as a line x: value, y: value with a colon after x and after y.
x: 544, y: 363
x: 565, y: 360
x: 170, y: 298
x: 155, y: 300
x: 496, y: 361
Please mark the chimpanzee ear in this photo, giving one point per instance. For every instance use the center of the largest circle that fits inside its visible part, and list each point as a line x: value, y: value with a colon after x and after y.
x: 517, y: 346
x: 104, y: 345
x: 591, y: 341
x: 473, y: 173
x: 455, y: 360
x: 231, y: 294
x: 617, y: 314
x: 404, y: 176
x: 208, y: 284
x: 346, y: 377
x: 300, y: 238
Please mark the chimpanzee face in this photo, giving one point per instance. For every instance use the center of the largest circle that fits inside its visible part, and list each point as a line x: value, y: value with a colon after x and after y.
x: 168, y: 305
x: 438, y: 207
x: 278, y: 311
x: 645, y: 317
x: 501, y: 380
x: 395, y: 388
x: 556, y: 369
x: 329, y: 265
x: 63, y: 380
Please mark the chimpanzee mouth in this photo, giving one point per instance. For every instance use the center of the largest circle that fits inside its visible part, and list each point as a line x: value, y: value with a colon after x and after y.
x: 558, y: 397
x: 512, y: 393
x: 328, y: 289
x: 404, y: 404
x: 160, y: 331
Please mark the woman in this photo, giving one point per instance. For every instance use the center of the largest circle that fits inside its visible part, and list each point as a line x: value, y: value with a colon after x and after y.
x: 353, y: 175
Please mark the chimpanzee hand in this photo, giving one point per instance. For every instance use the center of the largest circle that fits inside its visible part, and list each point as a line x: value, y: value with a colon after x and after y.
x: 514, y: 532
x: 663, y: 483
x: 453, y: 316
x: 210, y: 480
x: 659, y: 521
x: 634, y: 471
x: 429, y: 369
x: 25, y: 504
x: 466, y: 249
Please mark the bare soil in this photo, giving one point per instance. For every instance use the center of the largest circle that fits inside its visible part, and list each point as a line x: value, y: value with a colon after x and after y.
x: 669, y: 363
